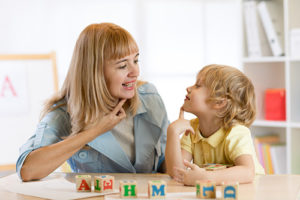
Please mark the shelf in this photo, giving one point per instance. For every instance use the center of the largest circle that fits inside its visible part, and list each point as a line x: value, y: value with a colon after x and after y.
x: 295, y: 59
x: 266, y: 123
x: 264, y: 59
x: 295, y: 125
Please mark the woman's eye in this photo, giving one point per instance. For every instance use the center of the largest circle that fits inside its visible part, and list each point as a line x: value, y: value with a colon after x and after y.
x: 136, y: 61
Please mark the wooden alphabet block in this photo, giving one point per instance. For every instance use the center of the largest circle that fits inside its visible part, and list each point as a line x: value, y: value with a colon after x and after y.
x: 205, y: 189
x: 128, y: 189
x: 83, y: 183
x: 104, y: 183
x: 215, y: 167
x: 230, y: 191
x: 157, y: 189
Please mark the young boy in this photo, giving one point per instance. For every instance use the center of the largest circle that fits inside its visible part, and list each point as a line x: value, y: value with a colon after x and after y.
x: 223, y: 100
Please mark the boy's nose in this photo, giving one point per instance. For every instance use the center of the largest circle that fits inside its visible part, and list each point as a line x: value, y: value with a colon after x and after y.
x: 188, y: 89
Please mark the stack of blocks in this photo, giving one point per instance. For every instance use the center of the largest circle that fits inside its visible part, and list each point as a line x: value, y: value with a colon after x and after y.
x: 207, y: 190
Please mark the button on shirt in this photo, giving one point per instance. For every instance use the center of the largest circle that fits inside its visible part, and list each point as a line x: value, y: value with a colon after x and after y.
x: 221, y: 147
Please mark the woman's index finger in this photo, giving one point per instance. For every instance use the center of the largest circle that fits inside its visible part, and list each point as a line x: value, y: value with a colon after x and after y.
x: 119, y: 106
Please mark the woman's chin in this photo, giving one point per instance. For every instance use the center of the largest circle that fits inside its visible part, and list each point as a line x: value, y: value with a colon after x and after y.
x: 127, y: 96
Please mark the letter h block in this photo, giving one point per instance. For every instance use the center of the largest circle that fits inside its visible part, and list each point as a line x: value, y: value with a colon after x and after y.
x: 83, y: 183
x: 230, y: 191
x: 104, y: 183
x: 157, y: 189
x: 205, y: 189
x: 128, y: 189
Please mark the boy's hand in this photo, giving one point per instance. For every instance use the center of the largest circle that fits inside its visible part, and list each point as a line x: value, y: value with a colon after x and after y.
x: 181, y: 125
x: 190, y: 175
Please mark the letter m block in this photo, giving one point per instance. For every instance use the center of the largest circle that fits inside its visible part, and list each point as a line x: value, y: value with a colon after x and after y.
x: 157, y: 189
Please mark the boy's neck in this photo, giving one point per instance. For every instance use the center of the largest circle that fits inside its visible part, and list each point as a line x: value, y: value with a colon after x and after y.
x: 209, y: 126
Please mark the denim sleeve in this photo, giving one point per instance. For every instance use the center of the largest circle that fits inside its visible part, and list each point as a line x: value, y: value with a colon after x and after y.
x: 162, y: 143
x: 51, y: 129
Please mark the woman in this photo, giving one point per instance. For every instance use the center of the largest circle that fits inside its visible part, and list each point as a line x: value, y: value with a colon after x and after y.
x: 103, y: 119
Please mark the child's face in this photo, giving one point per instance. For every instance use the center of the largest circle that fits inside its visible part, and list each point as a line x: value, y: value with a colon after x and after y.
x: 195, y: 101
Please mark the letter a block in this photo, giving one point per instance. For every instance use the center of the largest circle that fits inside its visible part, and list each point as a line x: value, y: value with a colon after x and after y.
x: 157, y: 189
x: 83, y: 183
x: 230, y: 191
x: 104, y: 183
x: 128, y: 189
x: 205, y: 189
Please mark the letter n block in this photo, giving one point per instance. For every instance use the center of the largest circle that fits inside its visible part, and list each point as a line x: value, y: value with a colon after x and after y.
x: 230, y: 191
x: 205, y: 189
x: 157, y: 189
x: 83, y: 183
x: 128, y: 189
x: 104, y: 183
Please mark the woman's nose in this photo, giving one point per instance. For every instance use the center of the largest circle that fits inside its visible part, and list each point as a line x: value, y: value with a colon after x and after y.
x: 134, y: 70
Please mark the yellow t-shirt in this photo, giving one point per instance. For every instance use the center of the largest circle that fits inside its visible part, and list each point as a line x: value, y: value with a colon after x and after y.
x: 220, y: 147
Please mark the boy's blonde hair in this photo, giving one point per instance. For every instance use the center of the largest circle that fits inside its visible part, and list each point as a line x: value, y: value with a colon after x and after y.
x: 229, y: 84
x: 84, y: 89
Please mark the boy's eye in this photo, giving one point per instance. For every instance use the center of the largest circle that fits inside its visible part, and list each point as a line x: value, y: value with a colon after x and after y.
x: 136, y: 61
x: 122, y: 67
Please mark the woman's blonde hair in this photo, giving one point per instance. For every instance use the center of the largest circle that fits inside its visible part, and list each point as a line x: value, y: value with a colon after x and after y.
x: 84, y: 89
x: 229, y: 84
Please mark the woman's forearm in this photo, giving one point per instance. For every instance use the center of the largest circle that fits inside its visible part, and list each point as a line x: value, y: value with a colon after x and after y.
x: 41, y: 162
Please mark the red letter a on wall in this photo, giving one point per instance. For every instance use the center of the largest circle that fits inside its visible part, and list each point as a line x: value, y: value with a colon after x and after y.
x: 7, y: 85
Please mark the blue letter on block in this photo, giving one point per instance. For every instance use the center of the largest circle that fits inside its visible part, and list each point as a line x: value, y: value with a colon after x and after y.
x: 227, y: 193
x: 161, y: 190
x: 211, y: 188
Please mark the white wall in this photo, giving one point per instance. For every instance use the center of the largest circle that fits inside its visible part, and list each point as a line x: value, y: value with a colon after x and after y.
x: 176, y: 38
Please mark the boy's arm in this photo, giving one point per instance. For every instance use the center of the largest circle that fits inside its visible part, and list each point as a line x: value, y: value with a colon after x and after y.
x: 242, y: 172
x: 174, y: 154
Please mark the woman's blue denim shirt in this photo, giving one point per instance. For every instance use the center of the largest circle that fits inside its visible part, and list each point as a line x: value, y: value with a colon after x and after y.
x: 104, y: 154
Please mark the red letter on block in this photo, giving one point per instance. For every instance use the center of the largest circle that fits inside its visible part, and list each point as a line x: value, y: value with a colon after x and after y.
x: 84, y: 186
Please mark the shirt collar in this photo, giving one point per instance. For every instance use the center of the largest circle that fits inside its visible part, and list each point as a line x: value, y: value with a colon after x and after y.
x: 212, y: 140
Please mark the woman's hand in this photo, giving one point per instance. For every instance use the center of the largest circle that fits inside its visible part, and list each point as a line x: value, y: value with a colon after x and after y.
x: 181, y: 125
x: 111, y: 119
x: 190, y: 175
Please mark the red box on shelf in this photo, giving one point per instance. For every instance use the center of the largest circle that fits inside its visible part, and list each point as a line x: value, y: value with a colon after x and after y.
x: 275, y: 104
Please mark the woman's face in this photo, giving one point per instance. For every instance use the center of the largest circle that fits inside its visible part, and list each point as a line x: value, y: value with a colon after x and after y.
x: 121, y: 76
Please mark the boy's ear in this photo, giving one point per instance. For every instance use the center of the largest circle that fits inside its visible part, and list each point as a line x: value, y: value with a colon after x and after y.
x: 220, y: 104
